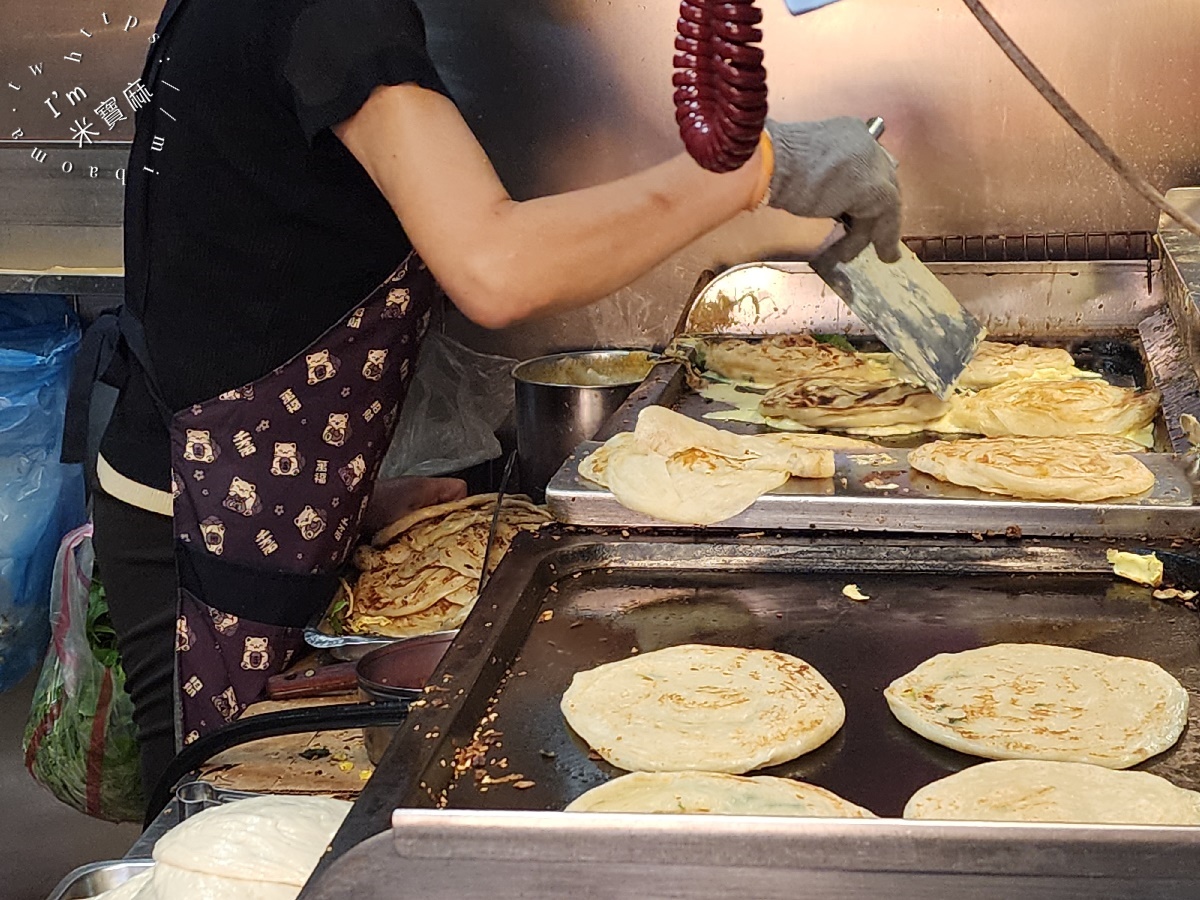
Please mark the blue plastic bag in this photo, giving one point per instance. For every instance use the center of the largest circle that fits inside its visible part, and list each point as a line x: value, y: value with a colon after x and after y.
x: 40, y: 498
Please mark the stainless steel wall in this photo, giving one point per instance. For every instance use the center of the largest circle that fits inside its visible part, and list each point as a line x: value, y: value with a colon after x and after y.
x: 566, y: 93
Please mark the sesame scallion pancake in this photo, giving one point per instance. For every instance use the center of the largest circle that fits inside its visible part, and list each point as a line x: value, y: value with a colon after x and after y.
x: 1037, y: 701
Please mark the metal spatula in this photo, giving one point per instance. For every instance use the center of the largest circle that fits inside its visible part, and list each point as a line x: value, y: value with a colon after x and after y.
x: 913, y: 313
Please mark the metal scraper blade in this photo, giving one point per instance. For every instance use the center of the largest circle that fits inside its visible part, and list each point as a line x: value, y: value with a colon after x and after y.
x: 912, y: 312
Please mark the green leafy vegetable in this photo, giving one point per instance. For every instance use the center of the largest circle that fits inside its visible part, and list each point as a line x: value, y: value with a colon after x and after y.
x: 337, y: 613
x: 834, y: 340
x: 63, y: 745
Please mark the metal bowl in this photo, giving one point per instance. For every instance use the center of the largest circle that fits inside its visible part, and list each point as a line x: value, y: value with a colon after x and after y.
x: 96, y: 878
x: 397, y: 672
x: 563, y: 400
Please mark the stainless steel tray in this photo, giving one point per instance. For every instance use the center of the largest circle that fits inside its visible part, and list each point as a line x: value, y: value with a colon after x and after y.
x: 874, y: 492
x: 878, y: 492
x: 197, y: 796
x: 565, y: 603
x: 96, y: 878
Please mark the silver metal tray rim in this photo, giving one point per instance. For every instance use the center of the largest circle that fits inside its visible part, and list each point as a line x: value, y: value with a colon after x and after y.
x: 76, y: 876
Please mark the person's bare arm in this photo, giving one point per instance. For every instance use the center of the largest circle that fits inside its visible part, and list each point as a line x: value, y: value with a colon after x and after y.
x: 501, y: 260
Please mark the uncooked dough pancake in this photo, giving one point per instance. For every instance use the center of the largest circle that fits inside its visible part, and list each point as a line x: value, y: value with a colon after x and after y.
x: 996, y: 362
x: 1084, y: 470
x: 1034, y: 408
x: 842, y: 403
x: 716, y: 794
x: 272, y: 838
x: 1026, y: 790
x: 702, y: 708
x: 170, y: 883
x: 1036, y: 701
x: 675, y: 468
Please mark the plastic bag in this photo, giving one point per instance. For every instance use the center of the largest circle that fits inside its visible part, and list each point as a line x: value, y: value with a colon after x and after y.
x: 40, y: 498
x: 80, y: 742
x: 457, y: 400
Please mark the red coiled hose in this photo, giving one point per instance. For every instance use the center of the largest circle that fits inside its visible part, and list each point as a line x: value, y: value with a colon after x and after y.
x: 720, y: 82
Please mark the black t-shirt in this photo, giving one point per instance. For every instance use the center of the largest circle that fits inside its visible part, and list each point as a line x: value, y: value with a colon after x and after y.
x: 257, y: 230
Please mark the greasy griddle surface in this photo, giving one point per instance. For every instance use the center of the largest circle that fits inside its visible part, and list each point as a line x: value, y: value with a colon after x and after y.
x: 601, y: 616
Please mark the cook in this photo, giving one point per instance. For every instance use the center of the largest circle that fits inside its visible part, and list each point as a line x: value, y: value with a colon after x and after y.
x: 302, y: 189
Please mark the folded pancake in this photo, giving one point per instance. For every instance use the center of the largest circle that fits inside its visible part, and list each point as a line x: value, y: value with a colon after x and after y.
x: 1037, y: 701
x: 781, y: 357
x: 702, y: 708
x: 1082, y: 469
x: 849, y: 402
x: 675, y: 468
x: 996, y: 362
x: 1035, y: 408
x: 714, y: 793
x: 1026, y: 790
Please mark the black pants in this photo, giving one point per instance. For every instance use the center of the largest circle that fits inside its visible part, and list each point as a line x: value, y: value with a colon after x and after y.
x: 135, y: 560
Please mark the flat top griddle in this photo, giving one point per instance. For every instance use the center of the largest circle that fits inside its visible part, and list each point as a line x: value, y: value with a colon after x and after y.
x: 568, y: 603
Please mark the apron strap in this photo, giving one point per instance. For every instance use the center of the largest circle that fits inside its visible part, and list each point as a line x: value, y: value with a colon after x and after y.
x: 104, y: 343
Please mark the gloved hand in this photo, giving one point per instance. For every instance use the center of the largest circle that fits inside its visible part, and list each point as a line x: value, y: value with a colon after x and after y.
x: 836, y: 168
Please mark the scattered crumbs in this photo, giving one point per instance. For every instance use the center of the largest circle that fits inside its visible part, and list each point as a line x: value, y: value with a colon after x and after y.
x: 976, y: 535
x: 877, y: 481
x: 1174, y: 594
x: 346, y: 765
x: 577, y: 574
x: 576, y: 624
x: 752, y: 534
x: 624, y: 532
x: 547, y: 754
x: 845, y: 482
x: 554, y: 588
x: 365, y: 774
x: 309, y: 673
x: 633, y: 649
x: 503, y: 779
x: 779, y: 615
x: 873, y: 459
x: 852, y: 591
x: 1012, y: 532
x: 545, y: 615
x: 524, y: 785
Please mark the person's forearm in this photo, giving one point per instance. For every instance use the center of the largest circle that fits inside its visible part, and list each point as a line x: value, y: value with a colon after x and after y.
x: 558, y: 252
x: 500, y: 260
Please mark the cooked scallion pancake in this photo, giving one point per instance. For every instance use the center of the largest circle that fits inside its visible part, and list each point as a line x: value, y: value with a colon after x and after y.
x: 703, y: 708
x: 714, y: 793
x: 1083, y: 469
x: 1026, y: 790
x: 1036, y: 701
x: 1035, y: 408
x: 675, y: 468
x: 996, y: 362
x: 846, y: 403
x: 781, y: 357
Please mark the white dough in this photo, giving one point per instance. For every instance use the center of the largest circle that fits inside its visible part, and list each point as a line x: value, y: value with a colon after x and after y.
x: 271, y: 839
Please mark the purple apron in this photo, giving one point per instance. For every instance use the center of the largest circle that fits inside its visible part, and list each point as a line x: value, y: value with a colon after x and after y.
x: 270, y: 481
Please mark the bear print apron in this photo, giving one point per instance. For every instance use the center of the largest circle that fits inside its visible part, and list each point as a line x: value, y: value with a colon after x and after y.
x: 270, y: 482
x: 270, y: 479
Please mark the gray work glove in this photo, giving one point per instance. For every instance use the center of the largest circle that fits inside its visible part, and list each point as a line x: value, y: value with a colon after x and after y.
x: 836, y: 169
